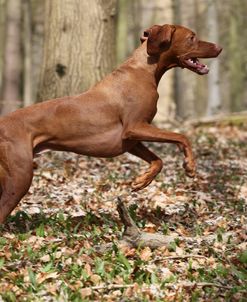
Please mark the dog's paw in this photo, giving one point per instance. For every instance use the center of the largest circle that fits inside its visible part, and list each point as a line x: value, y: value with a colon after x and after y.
x: 141, y: 182
x: 190, y: 167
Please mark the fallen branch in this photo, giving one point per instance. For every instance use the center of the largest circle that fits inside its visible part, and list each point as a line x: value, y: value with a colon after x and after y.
x: 111, y: 286
x: 136, y: 238
x: 167, y: 286
x: 206, y: 284
x: 180, y: 257
x: 234, y: 118
x: 133, y: 237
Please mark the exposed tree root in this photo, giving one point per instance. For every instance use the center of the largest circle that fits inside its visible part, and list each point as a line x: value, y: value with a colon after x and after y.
x: 133, y: 237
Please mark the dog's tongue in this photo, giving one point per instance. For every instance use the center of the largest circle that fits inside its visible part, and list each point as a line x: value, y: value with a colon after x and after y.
x: 203, y: 69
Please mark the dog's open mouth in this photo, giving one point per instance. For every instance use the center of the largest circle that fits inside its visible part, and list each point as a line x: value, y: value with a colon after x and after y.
x: 195, y: 65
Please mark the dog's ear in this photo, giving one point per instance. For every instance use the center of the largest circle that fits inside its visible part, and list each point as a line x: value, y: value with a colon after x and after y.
x: 158, y: 38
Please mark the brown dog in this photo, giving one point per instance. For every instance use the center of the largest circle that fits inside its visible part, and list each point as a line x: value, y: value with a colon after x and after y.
x: 111, y: 118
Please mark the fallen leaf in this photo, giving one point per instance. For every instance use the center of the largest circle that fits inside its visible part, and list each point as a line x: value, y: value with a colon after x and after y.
x: 45, y: 258
x: 86, y: 292
x: 145, y: 254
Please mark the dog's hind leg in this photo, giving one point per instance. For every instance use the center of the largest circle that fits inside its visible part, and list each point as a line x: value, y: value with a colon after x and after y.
x: 12, y: 190
x: 16, y: 173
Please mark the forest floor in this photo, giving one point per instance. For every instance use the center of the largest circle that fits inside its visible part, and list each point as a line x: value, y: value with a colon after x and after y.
x: 49, y: 245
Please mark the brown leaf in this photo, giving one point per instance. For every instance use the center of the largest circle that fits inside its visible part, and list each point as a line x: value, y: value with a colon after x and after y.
x: 85, y: 292
x: 41, y: 277
x: 45, y: 258
x: 88, y: 269
x: 86, y: 258
x: 95, y: 278
x: 145, y: 254
x: 150, y: 228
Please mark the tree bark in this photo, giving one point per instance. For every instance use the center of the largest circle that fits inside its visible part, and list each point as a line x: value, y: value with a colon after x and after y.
x: 191, y: 91
x: 214, y: 97
x: 237, y: 61
x: 37, y: 8
x: 2, y: 38
x: 12, y: 58
x: 79, y: 46
x: 185, y: 81
x: 122, y: 30
x: 27, y: 94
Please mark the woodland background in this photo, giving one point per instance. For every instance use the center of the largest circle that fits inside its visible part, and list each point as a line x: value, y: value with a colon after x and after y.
x: 56, y: 48
x: 53, y: 247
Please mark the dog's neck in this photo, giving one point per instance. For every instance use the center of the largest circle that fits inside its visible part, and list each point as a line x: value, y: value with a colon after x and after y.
x: 153, y: 65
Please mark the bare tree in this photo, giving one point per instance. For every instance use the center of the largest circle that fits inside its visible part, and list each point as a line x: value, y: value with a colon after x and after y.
x: 79, y: 46
x: 2, y: 38
x: 185, y: 81
x: 37, y: 9
x: 237, y: 59
x: 27, y: 94
x: 12, y: 57
x: 214, y: 97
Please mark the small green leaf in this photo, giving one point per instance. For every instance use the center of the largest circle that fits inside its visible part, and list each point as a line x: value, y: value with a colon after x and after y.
x: 100, y: 267
x: 154, y: 279
x: 122, y: 259
x: 32, y: 278
x: 243, y: 257
x: 1, y: 262
x: 3, y: 241
x: 40, y: 231
x: 9, y: 297
x: 172, y: 246
x: 47, y: 268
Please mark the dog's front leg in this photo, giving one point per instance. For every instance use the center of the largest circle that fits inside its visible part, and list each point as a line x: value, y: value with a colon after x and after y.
x: 155, y: 162
x: 149, y: 133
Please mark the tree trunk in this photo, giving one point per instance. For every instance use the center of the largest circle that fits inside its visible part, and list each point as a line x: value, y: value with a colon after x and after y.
x: 184, y: 79
x: 190, y: 89
x: 79, y: 46
x: 122, y: 30
x: 27, y: 94
x: 237, y: 61
x: 12, y: 58
x: 214, y: 98
x: 2, y: 38
x: 37, y: 8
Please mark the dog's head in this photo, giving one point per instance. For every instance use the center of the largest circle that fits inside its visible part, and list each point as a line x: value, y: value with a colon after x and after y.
x: 179, y: 46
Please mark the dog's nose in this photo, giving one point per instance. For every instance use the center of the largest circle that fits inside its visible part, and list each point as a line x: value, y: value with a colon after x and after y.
x: 218, y: 49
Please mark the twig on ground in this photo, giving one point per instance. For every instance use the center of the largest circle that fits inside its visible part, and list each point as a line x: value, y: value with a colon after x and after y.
x: 179, y: 257
x: 168, y: 285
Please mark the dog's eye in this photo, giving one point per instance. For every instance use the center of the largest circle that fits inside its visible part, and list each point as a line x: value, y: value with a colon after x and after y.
x: 192, y: 38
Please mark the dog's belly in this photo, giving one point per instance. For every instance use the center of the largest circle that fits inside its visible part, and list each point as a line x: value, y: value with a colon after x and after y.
x: 107, y: 144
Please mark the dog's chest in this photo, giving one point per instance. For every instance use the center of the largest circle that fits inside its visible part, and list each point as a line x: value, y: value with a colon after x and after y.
x: 142, y: 107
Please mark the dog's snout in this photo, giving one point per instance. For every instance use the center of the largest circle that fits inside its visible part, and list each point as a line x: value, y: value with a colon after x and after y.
x: 218, y: 48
